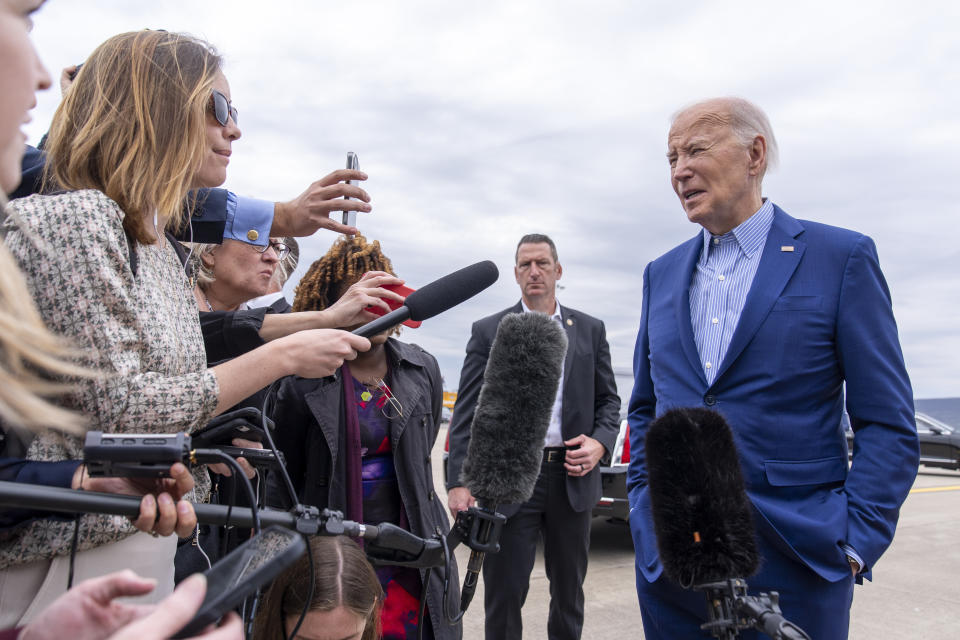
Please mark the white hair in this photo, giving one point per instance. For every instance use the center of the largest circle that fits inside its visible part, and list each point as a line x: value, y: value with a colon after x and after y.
x: 746, y: 119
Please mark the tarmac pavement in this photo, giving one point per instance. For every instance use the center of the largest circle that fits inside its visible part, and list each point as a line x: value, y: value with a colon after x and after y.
x: 915, y: 594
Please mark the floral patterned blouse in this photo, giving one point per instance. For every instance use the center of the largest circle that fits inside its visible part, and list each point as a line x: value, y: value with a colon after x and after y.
x: 141, y: 331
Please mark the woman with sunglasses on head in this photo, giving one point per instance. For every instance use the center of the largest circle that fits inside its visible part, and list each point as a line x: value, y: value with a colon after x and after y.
x: 126, y: 146
x: 359, y: 441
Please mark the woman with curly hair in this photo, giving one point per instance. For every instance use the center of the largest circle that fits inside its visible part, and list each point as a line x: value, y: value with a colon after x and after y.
x: 359, y: 441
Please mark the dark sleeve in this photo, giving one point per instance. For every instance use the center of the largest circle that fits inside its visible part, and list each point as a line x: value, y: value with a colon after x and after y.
x: 471, y: 379
x: 51, y: 474
x: 31, y: 173
x: 228, y: 334
x: 209, y: 219
x: 606, y: 421
x: 289, y: 413
x: 436, y: 396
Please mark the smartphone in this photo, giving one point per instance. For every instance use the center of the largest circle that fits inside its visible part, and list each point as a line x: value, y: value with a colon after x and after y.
x: 262, y: 458
x: 241, y: 572
x: 350, y: 217
x: 242, y: 423
x: 393, y: 304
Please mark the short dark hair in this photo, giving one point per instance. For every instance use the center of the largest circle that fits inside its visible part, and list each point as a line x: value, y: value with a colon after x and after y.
x: 536, y: 238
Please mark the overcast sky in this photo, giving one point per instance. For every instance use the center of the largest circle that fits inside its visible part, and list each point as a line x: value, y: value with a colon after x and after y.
x: 479, y: 122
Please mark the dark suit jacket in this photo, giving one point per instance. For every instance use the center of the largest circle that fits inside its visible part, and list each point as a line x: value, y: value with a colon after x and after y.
x: 818, y: 315
x: 590, y: 402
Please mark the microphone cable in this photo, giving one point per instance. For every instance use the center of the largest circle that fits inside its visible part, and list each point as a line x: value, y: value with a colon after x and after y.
x: 206, y: 455
x: 294, y: 500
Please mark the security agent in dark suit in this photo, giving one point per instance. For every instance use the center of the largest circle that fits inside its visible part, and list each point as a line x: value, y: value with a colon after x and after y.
x: 582, y: 431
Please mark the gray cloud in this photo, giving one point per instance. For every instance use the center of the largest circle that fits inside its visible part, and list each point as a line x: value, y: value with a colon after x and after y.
x: 480, y: 122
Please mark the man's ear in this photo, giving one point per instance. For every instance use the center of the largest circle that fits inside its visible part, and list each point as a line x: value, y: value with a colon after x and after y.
x: 758, y: 155
x: 559, y: 271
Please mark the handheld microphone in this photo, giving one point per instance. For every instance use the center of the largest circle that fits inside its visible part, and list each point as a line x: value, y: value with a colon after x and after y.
x: 510, y: 423
x: 436, y: 297
x: 703, y: 522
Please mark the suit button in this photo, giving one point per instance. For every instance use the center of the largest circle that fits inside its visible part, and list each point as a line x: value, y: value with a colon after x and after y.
x: 710, y: 399
x: 428, y: 459
x: 431, y: 495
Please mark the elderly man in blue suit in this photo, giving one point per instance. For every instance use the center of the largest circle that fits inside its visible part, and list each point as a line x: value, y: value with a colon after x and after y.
x: 768, y: 320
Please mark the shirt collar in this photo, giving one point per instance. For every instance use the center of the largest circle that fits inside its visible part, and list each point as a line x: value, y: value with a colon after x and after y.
x: 750, y: 235
x: 556, y: 312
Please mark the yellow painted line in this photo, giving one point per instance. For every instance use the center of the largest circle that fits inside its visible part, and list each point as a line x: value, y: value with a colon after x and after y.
x: 933, y: 489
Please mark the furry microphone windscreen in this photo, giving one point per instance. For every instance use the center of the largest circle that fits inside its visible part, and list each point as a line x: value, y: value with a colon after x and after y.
x: 513, y: 410
x: 701, y: 513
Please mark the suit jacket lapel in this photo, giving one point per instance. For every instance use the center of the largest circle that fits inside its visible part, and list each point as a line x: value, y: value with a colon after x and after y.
x: 569, y: 321
x: 774, y: 271
x: 682, y: 304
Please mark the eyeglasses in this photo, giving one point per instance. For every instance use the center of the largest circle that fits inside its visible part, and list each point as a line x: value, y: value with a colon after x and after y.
x: 222, y: 109
x: 280, y: 248
x: 387, y: 402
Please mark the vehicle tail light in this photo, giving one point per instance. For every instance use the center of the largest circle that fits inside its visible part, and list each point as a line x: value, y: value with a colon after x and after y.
x: 446, y: 443
x: 625, y: 456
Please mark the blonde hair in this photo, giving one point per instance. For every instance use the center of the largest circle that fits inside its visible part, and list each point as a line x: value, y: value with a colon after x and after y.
x: 133, y: 125
x: 29, y: 355
x: 201, y: 271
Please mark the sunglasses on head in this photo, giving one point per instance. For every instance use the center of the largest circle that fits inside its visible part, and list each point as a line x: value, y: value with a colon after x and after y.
x: 222, y: 109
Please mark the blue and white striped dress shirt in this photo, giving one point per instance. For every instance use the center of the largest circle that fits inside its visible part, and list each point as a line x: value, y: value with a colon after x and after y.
x: 720, y: 283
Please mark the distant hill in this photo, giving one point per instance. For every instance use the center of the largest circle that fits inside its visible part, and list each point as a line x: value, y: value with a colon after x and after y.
x: 943, y: 409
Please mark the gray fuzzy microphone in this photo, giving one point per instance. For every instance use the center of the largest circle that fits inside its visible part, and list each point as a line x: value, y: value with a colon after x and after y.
x: 513, y: 410
x: 510, y: 423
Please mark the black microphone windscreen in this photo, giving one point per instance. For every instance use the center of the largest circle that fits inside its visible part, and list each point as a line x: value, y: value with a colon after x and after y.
x: 701, y: 514
x: 450, y: 290
x: 513, y: 410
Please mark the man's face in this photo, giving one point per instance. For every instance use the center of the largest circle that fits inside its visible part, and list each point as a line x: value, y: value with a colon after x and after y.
x: 712, y: 172
x: 536, y: 271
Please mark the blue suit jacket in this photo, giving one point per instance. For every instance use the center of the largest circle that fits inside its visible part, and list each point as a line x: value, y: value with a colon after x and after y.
x: 816, y: 317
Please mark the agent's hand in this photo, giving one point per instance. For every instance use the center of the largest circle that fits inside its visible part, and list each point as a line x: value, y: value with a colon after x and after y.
x: 349, y: 310
x: 580, y: 461
x: 311, y: 210
x: 161, y: 510
x: 459, y: 499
